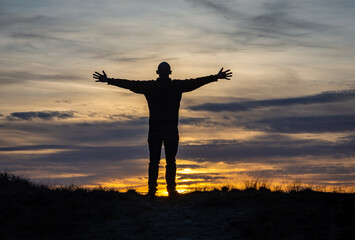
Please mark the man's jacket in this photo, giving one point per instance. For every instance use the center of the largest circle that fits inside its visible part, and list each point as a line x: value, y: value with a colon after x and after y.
x: 163, y: 95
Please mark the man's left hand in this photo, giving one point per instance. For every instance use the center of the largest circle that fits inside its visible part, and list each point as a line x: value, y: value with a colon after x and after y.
x: 224, y: 74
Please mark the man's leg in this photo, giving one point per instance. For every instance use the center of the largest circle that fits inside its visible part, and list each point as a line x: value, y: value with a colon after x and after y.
x: 154, y: 159
x: 171, y: 147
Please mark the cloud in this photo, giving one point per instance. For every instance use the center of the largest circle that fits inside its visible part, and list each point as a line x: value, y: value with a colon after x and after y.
x: 325, y: 169
x: 19, y: 77
x: 274, y: 25
x: 320, y: 113
x: 10, y: 20
x: 278, y: 23
x: 324, y: 97
x: 42, y: 115
x: 204, y: 176
x: 327, y: 174
x: 40, y: 36
x: 196, y: 178
x: 193, y: 121
x: 266, y: 151
x: 132, y: 131
x: 116, y: 129
x: 305, y: 124
x: 217, y: 7
x: 124, y: 131
x: 286, y: 155
x: 99, y: 164
x: 108, y: 154
x: 64, y: 101
x: 90, y: 164
x: 271, y: 18
x: 191, y: 166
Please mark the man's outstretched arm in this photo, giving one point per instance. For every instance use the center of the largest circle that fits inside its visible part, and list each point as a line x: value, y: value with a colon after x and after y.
x: 135, y: 86
x: 192, y: 84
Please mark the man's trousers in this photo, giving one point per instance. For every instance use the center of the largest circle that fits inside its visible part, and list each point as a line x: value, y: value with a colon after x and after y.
x: 169, y: 135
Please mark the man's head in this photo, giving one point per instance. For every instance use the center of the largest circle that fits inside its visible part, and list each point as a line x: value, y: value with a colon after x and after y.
x: 164, y: 69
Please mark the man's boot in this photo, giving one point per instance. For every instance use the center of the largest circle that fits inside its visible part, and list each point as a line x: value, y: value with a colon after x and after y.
x: 173, y: 194
x: 150, y: 194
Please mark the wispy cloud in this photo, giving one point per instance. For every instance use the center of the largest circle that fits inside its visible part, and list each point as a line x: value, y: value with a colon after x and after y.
x: 264, y: 24
x: 41, y: 115
x: 304, y: 124
x: 48, y: 126
x: 114, y: 129
x: 8, y: 20
x: 17, y: 77
x: 64, y: 101
x: 266, y: 151
x: 31, y: 35
x: 325, y: 97
x: 327, y: 173
x: 199, y: 177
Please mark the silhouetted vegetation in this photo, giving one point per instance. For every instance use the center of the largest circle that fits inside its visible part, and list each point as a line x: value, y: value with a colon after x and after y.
x: 31, y: 211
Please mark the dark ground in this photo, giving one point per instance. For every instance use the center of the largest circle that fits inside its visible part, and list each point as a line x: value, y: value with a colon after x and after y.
x: 29, y: 211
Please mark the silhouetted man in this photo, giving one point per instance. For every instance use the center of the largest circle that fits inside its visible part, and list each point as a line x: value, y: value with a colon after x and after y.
x: 163, y: 96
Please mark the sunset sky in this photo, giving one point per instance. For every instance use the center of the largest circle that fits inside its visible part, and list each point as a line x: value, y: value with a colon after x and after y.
x: 287, y: 114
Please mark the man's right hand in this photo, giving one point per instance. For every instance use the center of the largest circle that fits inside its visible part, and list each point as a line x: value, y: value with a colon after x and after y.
x: 100, y: 77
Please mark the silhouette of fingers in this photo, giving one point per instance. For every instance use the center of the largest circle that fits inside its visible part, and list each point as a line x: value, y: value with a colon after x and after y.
x: 104, y: 72
x: 97, y: 74
x: 227, y: 74
x: 220, y: 70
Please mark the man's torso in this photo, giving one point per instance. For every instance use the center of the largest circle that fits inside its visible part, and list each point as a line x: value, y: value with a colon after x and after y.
x: 163, y: 99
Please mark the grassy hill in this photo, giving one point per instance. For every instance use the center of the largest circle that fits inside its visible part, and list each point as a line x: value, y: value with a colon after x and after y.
x: 29, y: 211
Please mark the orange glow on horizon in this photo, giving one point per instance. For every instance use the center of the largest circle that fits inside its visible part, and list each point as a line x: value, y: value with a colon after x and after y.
x: 218, y: 175
x: 284, y: 186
